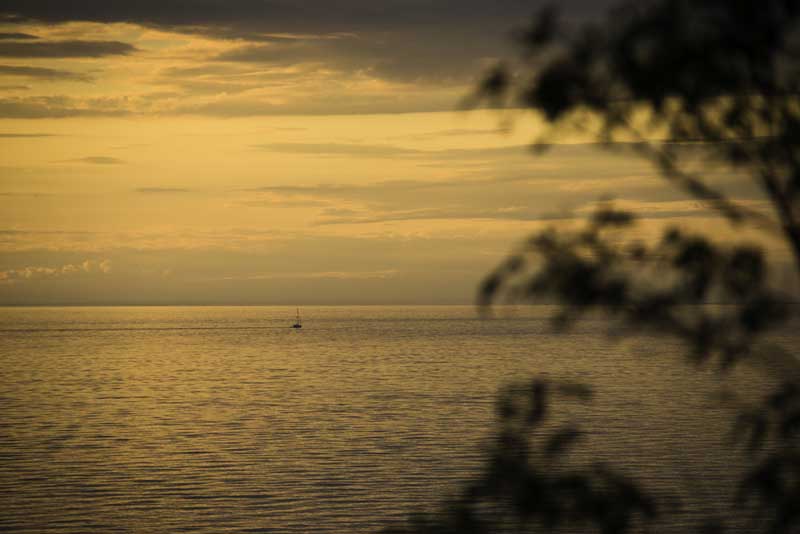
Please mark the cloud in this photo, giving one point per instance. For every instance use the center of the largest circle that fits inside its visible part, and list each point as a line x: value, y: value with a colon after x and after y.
x: 573, y: 150
x: 500, y: 189
x: 390, y: 151
x: 56, y: 107
x: 16, y: 36
x: 287, y: 52
x: 12, y: 276
x: 642, y: 209
x: 298, y: 268
x: 271, y: 200
x: 511, y: 213
x: 9, y: 231
x: 12, y: 135
x: 405, y: 200
x: 409, y: 193
x: 318, y: 275
x: 255, y: 75
x: 97, y: 160
x: 157, y: 190
x: 332, y: 100
x: 339, y: 149
x: 64, y: 49
x: 42, y: 73
x: 437, y: 41
x: 679, y: 209
x: 539, y: 190
x: 314, y: 57
x: 346, y: 102
x: 453, y: 132
x: 24, y: 194
x: 515, y: 213
x: 248, y: 89
x: 267, y: 18
x: 419, y: 57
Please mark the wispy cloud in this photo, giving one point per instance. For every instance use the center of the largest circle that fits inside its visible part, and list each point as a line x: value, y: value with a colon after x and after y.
x: 237, y: 58
x: 16, y: 36
x: 549, y: 194
x: 365, y: 150
x: 642, y: 209
x: 24, y: 194
x: 57, y: 107
x: 449, y: 133
x: 12, y: 276
x: 160, y: 190
x: 339, y: 149
x: 318, y: 275
x: 95, y: 160
x: 12, y: 135
x: 42, y: 73
x: 386, y: 188
x: 64, y: 49
x: 272, y: 200
x: 515, y: 213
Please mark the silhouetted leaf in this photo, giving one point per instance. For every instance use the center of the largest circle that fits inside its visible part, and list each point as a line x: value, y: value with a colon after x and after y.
x: 560, y: 441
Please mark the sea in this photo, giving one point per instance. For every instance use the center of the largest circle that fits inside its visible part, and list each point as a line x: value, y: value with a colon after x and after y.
x: 225, y: 419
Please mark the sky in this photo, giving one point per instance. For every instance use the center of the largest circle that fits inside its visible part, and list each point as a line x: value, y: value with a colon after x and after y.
x: 277, y: 152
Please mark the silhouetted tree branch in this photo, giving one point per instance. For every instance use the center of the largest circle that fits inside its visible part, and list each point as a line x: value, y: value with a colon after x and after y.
x: 659, y: 287
x: 717, y: 72
x: 719, y: 77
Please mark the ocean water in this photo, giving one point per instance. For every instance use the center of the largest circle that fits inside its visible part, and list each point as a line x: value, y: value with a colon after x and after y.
x: 224, y: 419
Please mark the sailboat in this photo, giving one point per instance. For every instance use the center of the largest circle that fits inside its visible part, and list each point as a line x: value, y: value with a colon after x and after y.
x: 297, y: 320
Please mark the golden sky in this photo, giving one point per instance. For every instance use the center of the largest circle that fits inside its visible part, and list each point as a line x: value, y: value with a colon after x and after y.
x: 251, y: 153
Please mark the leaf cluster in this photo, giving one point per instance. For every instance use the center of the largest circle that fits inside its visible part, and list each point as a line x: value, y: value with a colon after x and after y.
x: 663, y: 287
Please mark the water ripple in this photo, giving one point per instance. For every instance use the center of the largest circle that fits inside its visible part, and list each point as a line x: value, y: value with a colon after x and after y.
x: 226, y: 420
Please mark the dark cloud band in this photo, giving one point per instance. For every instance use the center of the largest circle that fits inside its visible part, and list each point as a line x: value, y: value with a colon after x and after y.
x: 16, y: 36
x: 42, y: 73
x: 64, y: 49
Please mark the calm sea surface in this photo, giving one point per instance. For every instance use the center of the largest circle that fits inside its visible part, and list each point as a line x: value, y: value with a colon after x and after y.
x: 223, y: 419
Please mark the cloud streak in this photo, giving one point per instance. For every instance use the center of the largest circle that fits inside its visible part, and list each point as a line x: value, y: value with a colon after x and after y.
x: 42, y: 73
x: 516, y: 213
x: 390, y: 151
x: 96, y: 160
x: 260, y: 18
x: 16, y: 36
x: 12, y: 276
x: 161, y: 190
x: 310, y: 58
x: 340, y: 149
x: 14, y: 135
x: 58, y: 107
x: 437, y: 41
x: 64, y: 49
x: 319, y: 275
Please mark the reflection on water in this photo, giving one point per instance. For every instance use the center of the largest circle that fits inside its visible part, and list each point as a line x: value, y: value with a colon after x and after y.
x: 227, y: 420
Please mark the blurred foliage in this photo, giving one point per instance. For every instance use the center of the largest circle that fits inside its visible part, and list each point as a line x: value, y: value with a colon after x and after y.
x: 525, y: 487
x: 669, y: 80
x: 774, y: 480
x: 660, y: 287
x: 665, y: 288
x: 722, y: 75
